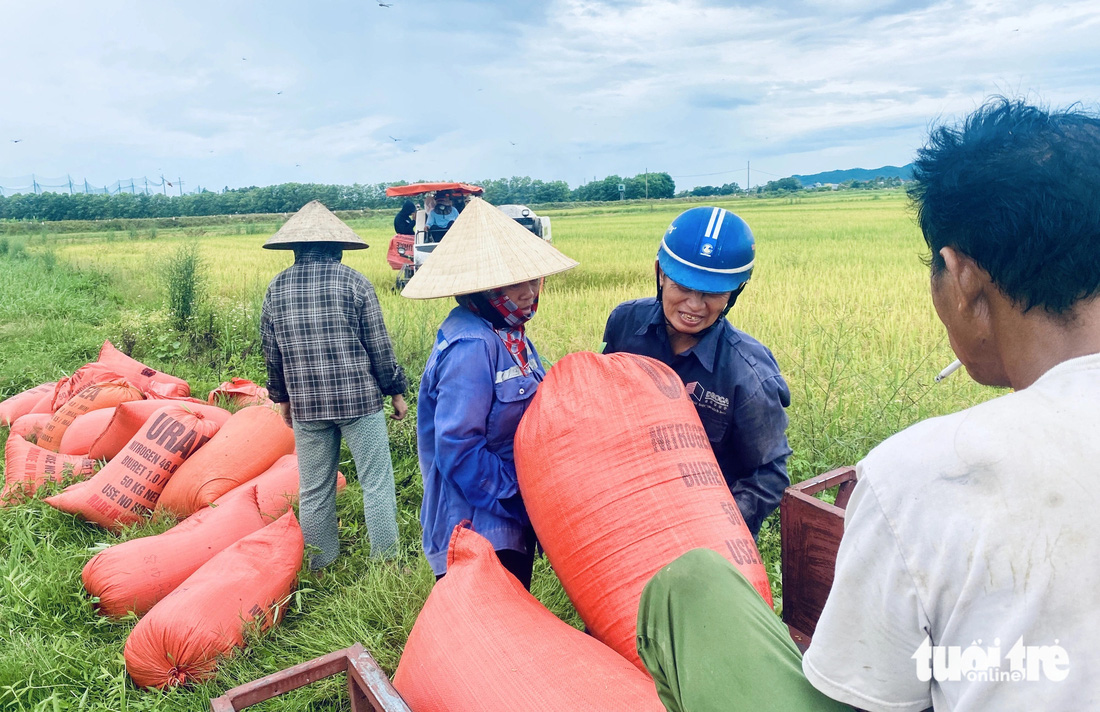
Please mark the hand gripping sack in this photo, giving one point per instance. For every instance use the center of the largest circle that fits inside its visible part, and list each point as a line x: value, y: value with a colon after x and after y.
x: 181, y: 639
x: 134, y: 575
x: 619, y: 479
x: 126, y: 489
x: 251, y: 441
x: 277, y: 488
x: 85, y: 430
x: 95, y: 397
x: 482, y: 642
x: 27, y: 467
x: 11, y: 409
x: 141, y: 375
x: 129, y: 417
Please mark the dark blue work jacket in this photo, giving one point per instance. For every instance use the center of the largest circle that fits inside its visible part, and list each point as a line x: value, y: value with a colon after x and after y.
x: 738, y: 392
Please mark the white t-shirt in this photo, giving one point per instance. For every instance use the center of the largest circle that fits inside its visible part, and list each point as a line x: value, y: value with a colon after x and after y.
x: 977, y: 526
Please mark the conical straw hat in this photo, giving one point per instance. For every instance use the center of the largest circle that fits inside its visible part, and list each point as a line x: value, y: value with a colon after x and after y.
x: 484, y: 249
x: 314, y: 223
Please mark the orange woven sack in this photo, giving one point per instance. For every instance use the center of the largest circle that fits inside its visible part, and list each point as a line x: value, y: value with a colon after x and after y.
x: 251, y: 441
x: 138, y: 373
x: 168, y: 391
x: 125, y: 491
x: 30, y: 424
x: 134, y: 575
x: 83, y: 431
x: 45, y: 404
x: 181, y: 639
x: 277, y: 488
x: 27, y: 467
x: 11, y: 409
x: 482, y: 642
x: 239, y: 391
x: 101, y: 395
x: 129, y: 417
x: 87, y: 375
x: 617, y: 491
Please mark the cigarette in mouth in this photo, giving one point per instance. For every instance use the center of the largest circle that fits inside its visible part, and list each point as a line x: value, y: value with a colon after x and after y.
x: 949, y: 370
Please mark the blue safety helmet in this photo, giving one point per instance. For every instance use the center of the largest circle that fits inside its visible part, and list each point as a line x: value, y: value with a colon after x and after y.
x: 709, y: 250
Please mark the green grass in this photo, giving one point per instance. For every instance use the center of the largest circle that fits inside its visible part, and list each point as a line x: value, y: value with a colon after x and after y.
x: 839, y: 295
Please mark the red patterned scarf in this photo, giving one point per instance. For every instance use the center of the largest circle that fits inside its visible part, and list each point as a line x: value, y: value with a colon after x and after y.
x: 507, y: 318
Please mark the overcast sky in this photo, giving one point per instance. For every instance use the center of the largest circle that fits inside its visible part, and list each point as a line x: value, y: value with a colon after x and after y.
x: 236, y: 93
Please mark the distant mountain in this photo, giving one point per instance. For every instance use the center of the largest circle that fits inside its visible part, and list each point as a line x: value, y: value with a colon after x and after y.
x: 905, y: 173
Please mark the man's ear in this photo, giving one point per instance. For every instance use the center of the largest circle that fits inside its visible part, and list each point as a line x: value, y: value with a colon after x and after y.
x: 969, y: 281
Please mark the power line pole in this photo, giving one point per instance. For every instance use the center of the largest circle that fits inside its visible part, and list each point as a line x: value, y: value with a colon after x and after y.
x: 85, y: 186
x: 34, y: 185
x: 748, y: 176
x: 132, y: 191
x: 70, y: 183
x: 647, y: 183
x: 146, y: 185
x: 180, y: 182
x: 163, y: 183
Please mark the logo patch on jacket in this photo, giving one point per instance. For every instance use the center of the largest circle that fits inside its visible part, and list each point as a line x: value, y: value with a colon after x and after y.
x: 702, y: 398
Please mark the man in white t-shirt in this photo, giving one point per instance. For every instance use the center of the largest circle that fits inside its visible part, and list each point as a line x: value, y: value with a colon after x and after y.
x: 968, y: 577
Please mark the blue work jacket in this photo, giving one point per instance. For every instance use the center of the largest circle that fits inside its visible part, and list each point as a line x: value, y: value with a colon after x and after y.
x: 738, y: 392
x: 472, y: 396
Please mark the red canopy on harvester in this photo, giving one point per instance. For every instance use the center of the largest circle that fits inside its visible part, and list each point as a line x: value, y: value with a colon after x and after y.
x: 396, y: 191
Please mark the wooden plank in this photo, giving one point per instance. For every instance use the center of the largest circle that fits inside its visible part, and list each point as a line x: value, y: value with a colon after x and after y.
x: 375, y: 684
x: 810, y: 532
x: 283, y: 681
x: 369, y: 689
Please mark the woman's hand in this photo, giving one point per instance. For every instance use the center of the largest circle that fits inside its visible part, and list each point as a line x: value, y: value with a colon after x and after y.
x: 400, y: 408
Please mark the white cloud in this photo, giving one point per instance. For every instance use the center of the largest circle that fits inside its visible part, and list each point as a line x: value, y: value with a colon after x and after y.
x: 251, y: 93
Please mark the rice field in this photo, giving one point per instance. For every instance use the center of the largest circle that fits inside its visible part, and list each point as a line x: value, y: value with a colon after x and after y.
x: 839, y: 294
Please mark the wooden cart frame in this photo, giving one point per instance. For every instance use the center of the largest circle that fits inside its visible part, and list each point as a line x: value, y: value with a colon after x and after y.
x: 810, y: 531
x: 369, y: 689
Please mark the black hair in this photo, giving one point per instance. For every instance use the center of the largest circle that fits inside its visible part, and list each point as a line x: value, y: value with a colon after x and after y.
x: 318, y: 250
x: 1017, y: 189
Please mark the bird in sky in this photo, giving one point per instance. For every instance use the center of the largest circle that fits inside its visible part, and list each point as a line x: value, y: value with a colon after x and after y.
x: 512, y: 142
x: 395, y: 139
x: 278, y: 92
x: 16, y: 140
x: 297, y: 165
x: 385, y: 4
x: 414, y: 150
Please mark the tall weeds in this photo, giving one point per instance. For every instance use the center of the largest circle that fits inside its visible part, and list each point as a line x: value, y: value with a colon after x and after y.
x: 184, y: 277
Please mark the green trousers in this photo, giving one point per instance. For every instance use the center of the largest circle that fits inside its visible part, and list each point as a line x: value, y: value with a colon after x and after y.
x: 711, y: 643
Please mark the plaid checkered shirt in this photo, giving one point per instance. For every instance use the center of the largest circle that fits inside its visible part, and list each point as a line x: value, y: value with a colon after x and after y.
x: 325, y: 343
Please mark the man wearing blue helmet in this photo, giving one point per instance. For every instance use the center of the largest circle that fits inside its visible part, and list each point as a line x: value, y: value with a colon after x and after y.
x: 704, y: 262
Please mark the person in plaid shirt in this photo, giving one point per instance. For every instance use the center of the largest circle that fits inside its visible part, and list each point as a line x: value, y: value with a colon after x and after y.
x: 330, y: 364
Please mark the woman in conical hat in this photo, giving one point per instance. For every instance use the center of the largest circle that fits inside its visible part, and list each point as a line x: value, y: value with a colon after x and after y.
x: 478, y: 381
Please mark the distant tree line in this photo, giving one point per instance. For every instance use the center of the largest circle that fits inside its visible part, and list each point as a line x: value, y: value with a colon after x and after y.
x: 783, y: 185
x: 289, y: 197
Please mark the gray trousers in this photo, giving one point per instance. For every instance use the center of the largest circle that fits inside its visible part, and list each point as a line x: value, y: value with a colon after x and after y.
x: 318, y: 443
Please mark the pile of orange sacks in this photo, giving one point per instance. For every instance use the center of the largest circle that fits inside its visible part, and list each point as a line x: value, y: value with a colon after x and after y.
x: 231, y: 478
